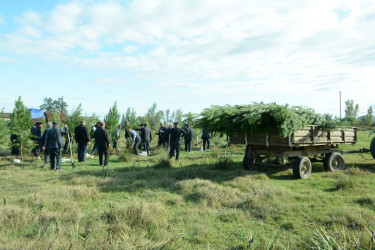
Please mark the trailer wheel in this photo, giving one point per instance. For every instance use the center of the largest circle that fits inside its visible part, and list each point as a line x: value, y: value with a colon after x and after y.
x: 302, y: 167
x: 372, y: 148
x: 333, y: 161
x: 248, y: 162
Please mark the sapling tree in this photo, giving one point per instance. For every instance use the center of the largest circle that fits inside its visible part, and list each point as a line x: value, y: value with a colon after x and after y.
x: 112, y: 120
x: 74, y: 119
x: 130, y: 119
x: 20, y: 123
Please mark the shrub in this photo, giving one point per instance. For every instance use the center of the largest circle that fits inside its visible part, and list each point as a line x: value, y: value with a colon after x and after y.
x: 163, y: 162
x: 223, y: 163
x: 344, y: 183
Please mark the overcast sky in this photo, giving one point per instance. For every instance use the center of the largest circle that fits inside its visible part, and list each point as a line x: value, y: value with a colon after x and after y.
x: 187, y: 54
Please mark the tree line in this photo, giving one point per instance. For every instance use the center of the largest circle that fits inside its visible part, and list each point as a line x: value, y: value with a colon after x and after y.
x: 20, y: 119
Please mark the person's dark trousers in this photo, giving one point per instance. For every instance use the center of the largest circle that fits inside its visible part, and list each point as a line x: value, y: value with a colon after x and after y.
x: 114, y: 144
x: 55, y: 157
x: 175, y: 146
x: 82, y: 149
x: 36, y: 149
x: 163, y: 142
x: 46, y: 156
x: 136, y: 145
x: 206, y: 140
x: 95, y: 148
x: 187, y: 146
x: 103, y: 150
x: 147, y: 146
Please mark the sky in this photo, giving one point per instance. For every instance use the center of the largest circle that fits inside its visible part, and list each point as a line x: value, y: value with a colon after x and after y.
x: 187, y: 54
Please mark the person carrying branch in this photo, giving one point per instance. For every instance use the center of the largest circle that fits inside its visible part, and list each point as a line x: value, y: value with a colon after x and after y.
x: 175, y: 134
x: 54, y: 141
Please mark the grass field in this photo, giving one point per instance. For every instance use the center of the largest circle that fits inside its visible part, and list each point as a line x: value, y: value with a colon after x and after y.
x: 204, y: 201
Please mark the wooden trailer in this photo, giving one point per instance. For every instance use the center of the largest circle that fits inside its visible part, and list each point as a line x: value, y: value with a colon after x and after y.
x: 304, y: 146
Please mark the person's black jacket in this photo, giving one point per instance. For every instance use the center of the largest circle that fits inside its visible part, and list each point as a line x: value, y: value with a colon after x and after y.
x: 148, y: 134
x: 101, y: 137
x: 54, y: 137
x: 205, y: 134
x: 163, y: 133
x: 189, y: 136
x: 36, y: 131
x: 176, y: 134
x: 81, y: 134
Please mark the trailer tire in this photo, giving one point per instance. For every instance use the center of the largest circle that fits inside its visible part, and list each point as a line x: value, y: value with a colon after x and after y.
x: 302, y: 167
x: 372, y: 148
x: 333, y: 161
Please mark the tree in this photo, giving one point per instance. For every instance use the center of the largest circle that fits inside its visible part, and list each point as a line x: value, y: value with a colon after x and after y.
x: 130, y: 119
x: 47, y: 105
x: 20, y: 123
x: 167, y: 116
x: 56, y: 116
x: 4, y: 131
x: 61, y: 105
x: 50, y: 105
x: 368, y: 119
x: 112, y: 120
x: 177, y: 116
x: 351, y: 110
x: 153, y: 116
x: 189, y: 118
x: 74, y: 119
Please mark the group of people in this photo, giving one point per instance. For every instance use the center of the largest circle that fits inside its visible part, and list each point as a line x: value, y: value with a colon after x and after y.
x: 52, y: 140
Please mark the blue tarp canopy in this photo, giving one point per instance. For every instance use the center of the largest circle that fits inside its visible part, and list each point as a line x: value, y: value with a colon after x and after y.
x: 36, y: 113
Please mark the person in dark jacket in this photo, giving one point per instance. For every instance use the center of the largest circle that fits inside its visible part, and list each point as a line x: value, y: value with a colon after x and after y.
x: 162, y: 133
x: 142, y: 135
x: 36, y: 130
x: 189, y: 137
x: 82, y: 137
x: 102, y: 140
x: 46, y: 152
x: 93, y: 129
x: 206, y: 139
x: 147, y: 139
x: 175, y: 136
x: 136, y: 140
x: 54, y: 141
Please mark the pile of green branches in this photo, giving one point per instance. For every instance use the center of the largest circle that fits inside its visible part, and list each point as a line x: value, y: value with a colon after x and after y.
x: 260, y: 117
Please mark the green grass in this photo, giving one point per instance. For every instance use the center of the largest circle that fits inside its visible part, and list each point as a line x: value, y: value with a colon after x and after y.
x: 204, y: 201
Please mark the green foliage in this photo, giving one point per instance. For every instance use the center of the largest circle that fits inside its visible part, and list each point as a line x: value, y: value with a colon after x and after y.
x: 74, y: 118
x: 351, y: 111
x: 112, y: 120
x: 56, y: 116
x: 50, y: 105
x: 153, y: 116
x: 368, y: 119
x: 20, y: 123
x: 265, y: 118
x: 130, y: 119
x: 4, y: 130
x: 189, y: 118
